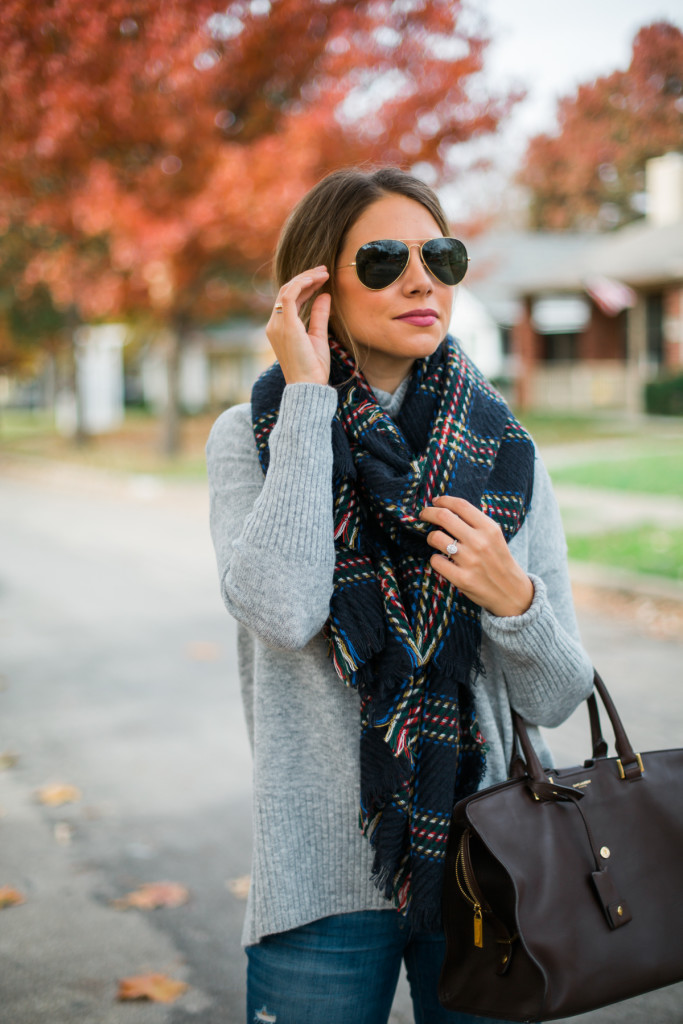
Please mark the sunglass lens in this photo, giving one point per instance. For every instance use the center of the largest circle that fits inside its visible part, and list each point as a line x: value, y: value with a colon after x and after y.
x: 379, y: 264
x: 446, y: 258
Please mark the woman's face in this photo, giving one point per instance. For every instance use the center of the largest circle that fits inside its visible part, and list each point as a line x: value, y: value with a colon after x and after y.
x: 408, y: 320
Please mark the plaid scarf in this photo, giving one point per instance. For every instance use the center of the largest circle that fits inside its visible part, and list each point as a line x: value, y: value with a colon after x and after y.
x: 407, y: 639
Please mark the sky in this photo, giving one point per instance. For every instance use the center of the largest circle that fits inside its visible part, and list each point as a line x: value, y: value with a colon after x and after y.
x: 549, y: 47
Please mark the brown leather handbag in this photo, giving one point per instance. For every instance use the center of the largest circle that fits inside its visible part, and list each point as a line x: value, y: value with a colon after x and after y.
x: 564, y: 888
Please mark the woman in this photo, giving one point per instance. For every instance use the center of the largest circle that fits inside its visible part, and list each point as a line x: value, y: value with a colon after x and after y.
x: 388, y: 541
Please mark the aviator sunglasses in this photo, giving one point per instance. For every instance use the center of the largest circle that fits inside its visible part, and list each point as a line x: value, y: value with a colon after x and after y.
x: 378, y: 264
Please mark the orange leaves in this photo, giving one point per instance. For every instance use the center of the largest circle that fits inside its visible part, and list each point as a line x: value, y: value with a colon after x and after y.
x: 57, y: 793
x: 588, y: 174
x: 157, y: 988
x: 152, y: 986
x: 181, y: 139
x: 153, y: 895
x: 203, y: 650
x: 239, y: 887
x: 10, y: 897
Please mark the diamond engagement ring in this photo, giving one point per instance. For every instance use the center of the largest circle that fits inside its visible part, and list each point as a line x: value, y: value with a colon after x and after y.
x: 278, y: 307
x: 452, y: 548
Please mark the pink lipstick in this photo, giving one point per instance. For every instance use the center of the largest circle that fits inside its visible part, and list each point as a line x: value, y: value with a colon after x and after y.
x: 420, y: 317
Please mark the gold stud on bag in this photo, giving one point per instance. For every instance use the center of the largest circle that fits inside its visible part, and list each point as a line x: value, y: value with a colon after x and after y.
x: 558, y: 888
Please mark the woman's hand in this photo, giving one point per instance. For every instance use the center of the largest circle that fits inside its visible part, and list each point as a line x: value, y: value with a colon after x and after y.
x: 303, y: 356
x: 482, y: 567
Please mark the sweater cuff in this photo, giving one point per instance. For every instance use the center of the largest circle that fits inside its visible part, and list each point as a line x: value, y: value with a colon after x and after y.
x: 505, y: 628
x: 304, y: 409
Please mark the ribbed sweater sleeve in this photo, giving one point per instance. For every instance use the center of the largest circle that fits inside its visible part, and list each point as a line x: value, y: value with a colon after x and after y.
x: 547, y: 671
x: 274, y: 536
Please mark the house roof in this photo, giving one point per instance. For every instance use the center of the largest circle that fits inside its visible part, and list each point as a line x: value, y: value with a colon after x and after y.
x: 640, y: 254
x: 503, y: 262
x: 508, y: 265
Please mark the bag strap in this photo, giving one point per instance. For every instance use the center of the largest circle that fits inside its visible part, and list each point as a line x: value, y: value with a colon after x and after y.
x: 599, y: 744
x: 629, y: 763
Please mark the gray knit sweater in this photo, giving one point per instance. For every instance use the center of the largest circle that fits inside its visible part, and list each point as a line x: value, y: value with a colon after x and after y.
x: 274, y: 545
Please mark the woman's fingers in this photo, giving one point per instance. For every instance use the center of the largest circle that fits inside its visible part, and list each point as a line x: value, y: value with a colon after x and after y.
x: 440, y: 540
x: 320, y: 315
x: 462, y: 508
x: 293, y: 294
x: 481, y: 565
x: 451, y: 523
x: 303, y: 355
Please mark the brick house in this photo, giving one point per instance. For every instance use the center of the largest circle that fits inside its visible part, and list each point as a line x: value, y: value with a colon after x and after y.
x: 587, y: 319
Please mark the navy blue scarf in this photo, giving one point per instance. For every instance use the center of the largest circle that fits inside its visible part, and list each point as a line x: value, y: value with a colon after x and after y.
x: 398, y: 632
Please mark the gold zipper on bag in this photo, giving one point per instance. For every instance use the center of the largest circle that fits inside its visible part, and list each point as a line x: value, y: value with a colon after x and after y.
x: 469, y: 895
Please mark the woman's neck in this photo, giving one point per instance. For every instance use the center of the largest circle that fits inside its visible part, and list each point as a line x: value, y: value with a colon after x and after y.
x: 386, y: 375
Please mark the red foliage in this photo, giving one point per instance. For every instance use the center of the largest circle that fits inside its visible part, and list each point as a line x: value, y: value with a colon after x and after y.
x: 158, y: 146
x: 587, y: 174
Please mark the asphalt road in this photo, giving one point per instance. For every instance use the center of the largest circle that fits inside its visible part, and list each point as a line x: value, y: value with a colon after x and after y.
x: 118, y: 676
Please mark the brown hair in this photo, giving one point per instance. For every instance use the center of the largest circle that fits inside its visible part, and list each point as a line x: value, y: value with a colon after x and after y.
x: 315, y: 230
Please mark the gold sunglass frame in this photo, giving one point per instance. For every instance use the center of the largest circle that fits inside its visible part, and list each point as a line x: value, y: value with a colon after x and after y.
x: 410, y: 243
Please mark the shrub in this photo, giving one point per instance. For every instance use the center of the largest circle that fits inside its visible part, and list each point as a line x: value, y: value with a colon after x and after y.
x: 664, y: 397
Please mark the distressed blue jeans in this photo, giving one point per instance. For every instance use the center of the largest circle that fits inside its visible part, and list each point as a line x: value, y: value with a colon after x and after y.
x: 343, y: 970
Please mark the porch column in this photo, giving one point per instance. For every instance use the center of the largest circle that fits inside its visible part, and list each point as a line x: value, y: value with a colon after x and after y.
x: 524, y: 348
x: 636, y: 356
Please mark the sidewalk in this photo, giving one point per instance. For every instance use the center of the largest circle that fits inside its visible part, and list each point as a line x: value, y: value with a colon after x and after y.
x: 120, y: 678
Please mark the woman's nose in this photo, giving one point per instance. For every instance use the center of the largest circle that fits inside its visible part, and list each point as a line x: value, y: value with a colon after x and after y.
x: 416, y: 276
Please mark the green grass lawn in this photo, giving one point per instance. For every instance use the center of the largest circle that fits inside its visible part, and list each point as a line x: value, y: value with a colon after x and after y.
x: 654, y: 472
x: 17, y: 424
x: 132, y: 448
x: 566, y: 428
x: 646, y: 549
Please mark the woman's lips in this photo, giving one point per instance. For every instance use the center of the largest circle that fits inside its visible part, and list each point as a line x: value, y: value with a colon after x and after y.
x: 420, y: 317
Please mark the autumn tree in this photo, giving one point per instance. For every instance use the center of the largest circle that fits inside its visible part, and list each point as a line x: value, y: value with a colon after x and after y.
x: 590, y: 172
x: 157, y: 145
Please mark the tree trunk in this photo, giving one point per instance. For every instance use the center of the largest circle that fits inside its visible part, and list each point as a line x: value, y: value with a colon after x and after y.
x: 80, y: 433
x: 170, y: 442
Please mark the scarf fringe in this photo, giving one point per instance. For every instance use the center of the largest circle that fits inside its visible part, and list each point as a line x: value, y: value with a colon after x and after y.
x: 426, y: 918
x: 363, y: 634
x: 391, y: 864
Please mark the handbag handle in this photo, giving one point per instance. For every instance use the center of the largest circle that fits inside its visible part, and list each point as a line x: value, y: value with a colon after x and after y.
x: 599, y: 744
x: 629, y: 763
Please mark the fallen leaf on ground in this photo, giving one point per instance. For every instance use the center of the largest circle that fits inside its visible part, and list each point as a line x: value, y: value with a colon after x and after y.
x: 158, y: 988
x: 10, y: 897
x: 8, y: 760
x: 63, y: 833
x: 239, y: 887
x: 153, y: 895
x: 203, y: 651
x: 57, y: 793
